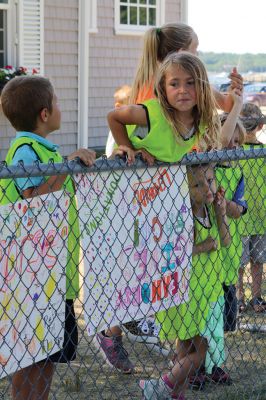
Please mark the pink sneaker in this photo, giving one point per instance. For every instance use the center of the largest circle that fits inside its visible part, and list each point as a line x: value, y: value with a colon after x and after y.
x: 114, y: 353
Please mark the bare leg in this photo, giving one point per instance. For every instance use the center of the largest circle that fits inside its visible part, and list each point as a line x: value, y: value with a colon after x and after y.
x: 190, y: 363
x: 183, y: 348
x: 256, y: 276
x: 33, y: 382
x: 241, y: 293
x: 114, y: 331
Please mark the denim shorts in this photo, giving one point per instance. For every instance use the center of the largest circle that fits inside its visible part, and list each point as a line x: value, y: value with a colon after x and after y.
x: 254, y: 249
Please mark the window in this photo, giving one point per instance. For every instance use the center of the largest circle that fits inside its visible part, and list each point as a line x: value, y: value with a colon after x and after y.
x: 135, y: 16
x: 21, y: 33
x: 3, y: 32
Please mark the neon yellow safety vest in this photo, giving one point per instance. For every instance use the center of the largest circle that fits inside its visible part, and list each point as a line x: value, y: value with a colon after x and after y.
x: 160, y: 141
x: 228, y: 178
x: 208, y: 274
x: 254, y: 170
x: 205, y: 286
x: 10, y: 194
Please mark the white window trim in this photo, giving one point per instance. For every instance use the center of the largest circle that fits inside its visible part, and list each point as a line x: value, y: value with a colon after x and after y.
x: 92, y: 17
x: 4, y: 6
x: 11, y: 55
x: 135, y: 29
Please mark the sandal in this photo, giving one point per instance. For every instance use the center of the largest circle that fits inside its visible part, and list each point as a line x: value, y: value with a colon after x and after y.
x: 258, y: 304
x: 241, y: 306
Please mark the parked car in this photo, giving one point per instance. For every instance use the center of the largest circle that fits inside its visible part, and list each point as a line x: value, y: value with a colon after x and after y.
x: 255, y: 93
x: 224, y: 87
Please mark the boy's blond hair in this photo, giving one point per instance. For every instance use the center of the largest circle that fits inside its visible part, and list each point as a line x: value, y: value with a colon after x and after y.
x: 205, y: 111
x: 122, y: 95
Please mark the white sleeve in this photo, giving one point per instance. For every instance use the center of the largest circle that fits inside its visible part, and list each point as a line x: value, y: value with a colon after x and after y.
x: 110, y: 144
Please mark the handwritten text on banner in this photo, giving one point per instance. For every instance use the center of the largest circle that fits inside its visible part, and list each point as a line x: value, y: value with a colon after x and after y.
x: 137, y: 240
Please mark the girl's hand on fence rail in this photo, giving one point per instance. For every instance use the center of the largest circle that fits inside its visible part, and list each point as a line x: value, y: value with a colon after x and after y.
x: 146, y: 156
x: 123, y: 150
x: 86, y: 155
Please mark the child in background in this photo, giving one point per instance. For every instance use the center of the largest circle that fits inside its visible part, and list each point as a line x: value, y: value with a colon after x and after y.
x: 31, y: 105
x: 121, y: 97
x: 254, y: 221
x: 230, y: 177
x: 188, y: 321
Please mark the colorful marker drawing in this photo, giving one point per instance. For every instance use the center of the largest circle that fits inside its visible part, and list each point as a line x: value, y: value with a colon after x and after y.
x: 32, y: 281
x: 137, y: 256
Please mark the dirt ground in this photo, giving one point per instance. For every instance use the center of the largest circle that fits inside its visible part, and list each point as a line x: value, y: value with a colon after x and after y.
x: 89, y: 377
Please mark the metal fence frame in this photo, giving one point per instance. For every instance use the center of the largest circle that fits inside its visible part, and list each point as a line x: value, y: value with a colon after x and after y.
x: 102, y: 164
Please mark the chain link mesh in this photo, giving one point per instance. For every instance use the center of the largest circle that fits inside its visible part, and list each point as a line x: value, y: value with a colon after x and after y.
x: 136, y: 234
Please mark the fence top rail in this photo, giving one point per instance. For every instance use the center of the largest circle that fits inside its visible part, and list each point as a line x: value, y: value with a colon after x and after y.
x: 104, y: 164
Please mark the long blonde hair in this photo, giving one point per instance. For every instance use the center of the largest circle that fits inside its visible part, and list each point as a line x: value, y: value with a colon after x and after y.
x: 157, y: 44
x: 204, y: 112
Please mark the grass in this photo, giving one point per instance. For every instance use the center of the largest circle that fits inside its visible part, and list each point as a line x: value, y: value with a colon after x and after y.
x: 89, y: 377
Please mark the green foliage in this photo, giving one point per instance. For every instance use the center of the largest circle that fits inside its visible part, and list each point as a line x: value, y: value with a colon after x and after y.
x: 223, y: 62
x: 9, y: 72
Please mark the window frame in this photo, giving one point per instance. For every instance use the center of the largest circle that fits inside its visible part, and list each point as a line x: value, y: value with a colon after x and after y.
x: 137, y: 30
x: 11, y: 33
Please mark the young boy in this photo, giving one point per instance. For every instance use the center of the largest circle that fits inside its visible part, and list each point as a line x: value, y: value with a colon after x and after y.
x: 254, y: 222
x: 121, y: 98
x: 31, y: 106
x: 230, y: 177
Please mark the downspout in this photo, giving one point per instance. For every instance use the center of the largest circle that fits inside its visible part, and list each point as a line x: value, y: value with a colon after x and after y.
x: 184, y: 11
x: 83, y: 74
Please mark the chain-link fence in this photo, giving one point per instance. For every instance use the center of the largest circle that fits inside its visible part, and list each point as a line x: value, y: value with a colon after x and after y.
x: 160, y: 252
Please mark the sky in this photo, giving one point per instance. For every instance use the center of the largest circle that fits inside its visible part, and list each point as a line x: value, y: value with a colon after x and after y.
x: 234, y: 26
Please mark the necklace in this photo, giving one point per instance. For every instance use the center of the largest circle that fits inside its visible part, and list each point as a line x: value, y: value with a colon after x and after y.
x: 189, y: 133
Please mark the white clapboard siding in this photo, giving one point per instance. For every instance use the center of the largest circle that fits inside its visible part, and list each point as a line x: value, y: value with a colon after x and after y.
x: 31, y: 47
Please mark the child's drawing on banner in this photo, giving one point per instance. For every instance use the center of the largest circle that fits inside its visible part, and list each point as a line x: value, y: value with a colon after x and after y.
x: 32, y: 280
x: 137, y: 236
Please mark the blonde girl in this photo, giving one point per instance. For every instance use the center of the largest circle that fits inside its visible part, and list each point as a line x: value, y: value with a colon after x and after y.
x: 182, y: 116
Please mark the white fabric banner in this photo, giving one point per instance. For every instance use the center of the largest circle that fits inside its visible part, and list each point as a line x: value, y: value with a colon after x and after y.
x: 33, y: 256
x: 137, y: 236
